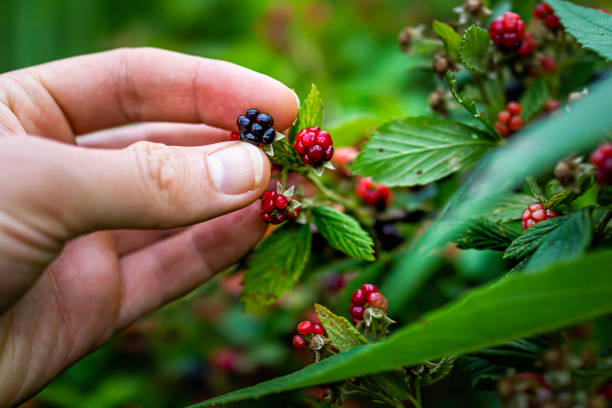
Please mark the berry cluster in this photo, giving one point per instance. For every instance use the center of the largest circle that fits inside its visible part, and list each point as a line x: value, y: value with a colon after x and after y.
x: 315, y: 146
x: 256, y: 127
x: 509, y: 120
x: 507, y: 32
x: 536, y: 213
x: 601, y: 158
x: 373, y: 194
x: 369, y: 294
x: 306, y: 330
x: 546, y: 13
x: 276, y: 208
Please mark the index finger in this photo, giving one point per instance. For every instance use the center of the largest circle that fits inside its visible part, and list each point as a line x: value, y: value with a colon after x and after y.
x: 123, y: 86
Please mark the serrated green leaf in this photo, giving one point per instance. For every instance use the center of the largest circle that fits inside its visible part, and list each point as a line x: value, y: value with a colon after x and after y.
x: 558, y: 199
x: 340, y: 332
x: 516, y: 306
x: 592, y: 28
x: 474, y: 48
x: 343, y: 232
x: 452, y: 40
x: 419, y: 150
x: 534, y: 99
x: 532, y: 238
x: 276, y: 265
x: 470, y: 106
x: 482, y: 233
x: 510, y: 207
x: 286, y: 155
x: 568, y: 241
x: 604, y: 196
x: 309, y: 114
x: 535, y: 188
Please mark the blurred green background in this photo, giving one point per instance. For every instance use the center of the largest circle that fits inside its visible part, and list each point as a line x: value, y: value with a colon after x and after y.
x: 204, y: 345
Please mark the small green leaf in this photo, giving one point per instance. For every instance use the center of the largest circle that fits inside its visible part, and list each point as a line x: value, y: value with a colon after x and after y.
x: 559, y: 199
x: 286, y: 155
x: 341, y: 333
x: 532, y: 238
x: 482, y: 233
x: 418, y: 150
x: 510, y: 207
x: 309, y: 114
x: 470, y: 106
x: 276, y: 265
x: 534, y: 99
x: 452, y: 40
x: 535, y: 188
x: 568, y: 241
x: 474, y: 49
x: 592, y: 28
x: 343, y: 232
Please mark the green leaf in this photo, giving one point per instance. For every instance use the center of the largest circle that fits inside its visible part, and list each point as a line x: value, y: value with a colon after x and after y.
x: 352, y: 129
x: 535, y: 188
x: 474, y: 49
x: 532, y: 238
x: 534, y: 99
x: 418, y: 150
x: 510, y: 207
x: 286, y: 155
x: 517, y: 306
x: 452, y: 40
x: 343, y: 232
x: 470, y: 106
x: 341, y: 333
x: 482, y: 233
x: 276, y: 265
x: 592, y: 28
x: 568, y: 241
x: 604, y: 196
x: 559, y: 199
x: 524, y: 8
x: 309, y: 114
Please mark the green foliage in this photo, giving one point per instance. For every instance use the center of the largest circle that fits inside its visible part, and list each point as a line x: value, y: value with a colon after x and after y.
x: 276, y: 265
x: 474, y: 48
x: 534, y: 98
x: 604, y: 196
x: 452, y: 40
x: 532, y: 238
x: 343, y: 233
x: 510, y: 207
x: 554, y: 297
x: 482, y: 233
x: 309, y: 114
x: 419, y: 150
x: 592, y: 28
x: 341, y: 333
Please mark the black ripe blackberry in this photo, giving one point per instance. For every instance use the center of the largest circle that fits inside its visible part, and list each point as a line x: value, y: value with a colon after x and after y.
x: 256, y: 127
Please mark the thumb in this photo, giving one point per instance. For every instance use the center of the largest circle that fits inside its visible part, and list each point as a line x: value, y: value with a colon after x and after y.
x: 145, y: 186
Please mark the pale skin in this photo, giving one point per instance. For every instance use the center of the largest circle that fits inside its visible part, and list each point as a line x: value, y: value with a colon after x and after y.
x: 98, y: 225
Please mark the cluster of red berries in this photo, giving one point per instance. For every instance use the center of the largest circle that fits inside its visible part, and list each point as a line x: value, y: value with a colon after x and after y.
x: 509, y: 120
x: 256, y: 127
x: 546, y: 13
x: 315, y: 146
x: 528, y: 46
x: 601, y: 158
x: 508, y: 31
x: 536, y: 213
x: 306, y: 330
x: 275, y: 208
x: 373, y: 194
x: 369, y: 294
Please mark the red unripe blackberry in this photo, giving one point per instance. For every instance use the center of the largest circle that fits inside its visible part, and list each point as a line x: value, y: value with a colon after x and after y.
x: 548, y: 65
x: 508, y: 31
x: 298, y: 341
x: 536, y: 213
x: 504, y: 117
x: 368, y: 288
x: 356, y: 312
x: 274, y: 208
x: 502, y: 129
x: 509, y: 121
x: 514, y: 108
x: 546, y: 13
x: 305, y: 328
x: 315, y: 146
x: 358, y: 298
x: 235, y: 136
x: 373, y: 194
x: 318, y: 329
x: 515, y: 124
x: 528, y: 46
x: 601, y: 158
x: 377, y: 300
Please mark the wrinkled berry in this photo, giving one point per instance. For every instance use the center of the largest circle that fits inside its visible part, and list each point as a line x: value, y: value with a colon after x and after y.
x: 315, y: 146
x: 368, y: 288
x: 548, y: 65
x: 318, y: 329
x: 373, y: 194
x: 536, y: 213
x: 256, y: 127
x: 275, y: 208
x: 507, y: 32
x: 356, y: 312
x: 601, y: 158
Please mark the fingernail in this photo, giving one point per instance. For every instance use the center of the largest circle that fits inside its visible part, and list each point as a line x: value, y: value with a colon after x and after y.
x: 237, y: 168
x: 297, y: 98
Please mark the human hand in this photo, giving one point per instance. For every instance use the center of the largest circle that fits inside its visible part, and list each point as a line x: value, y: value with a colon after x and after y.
x: 67, y: 283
